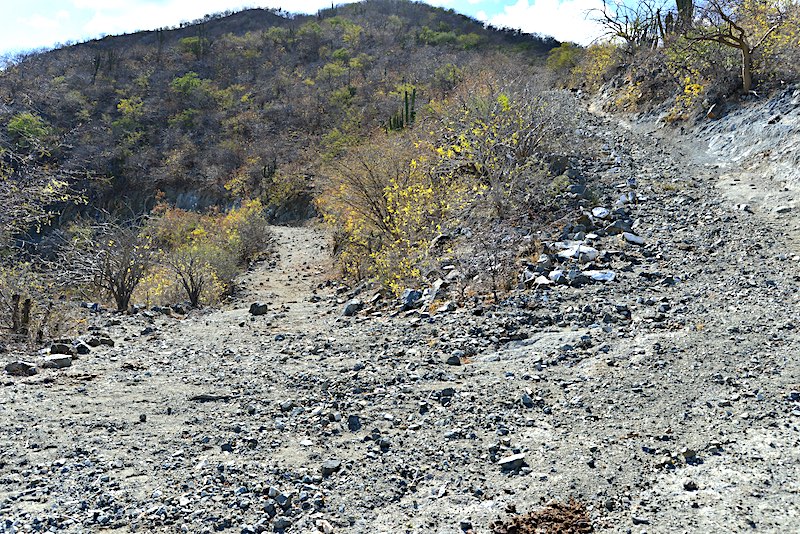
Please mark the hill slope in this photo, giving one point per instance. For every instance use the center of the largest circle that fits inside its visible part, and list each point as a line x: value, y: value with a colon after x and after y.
x: 240, y: 105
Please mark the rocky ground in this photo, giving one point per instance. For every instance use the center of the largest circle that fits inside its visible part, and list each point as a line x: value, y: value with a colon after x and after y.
x: 647, y: 369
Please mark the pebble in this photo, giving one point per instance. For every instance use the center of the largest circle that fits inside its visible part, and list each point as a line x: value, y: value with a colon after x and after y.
x: 21, y: 369
x: 259, y: 308
x: 453, y: 360
x: 330, y: 467
x: 57, y: 361
x: 512, y: 463
x: 352, y: 308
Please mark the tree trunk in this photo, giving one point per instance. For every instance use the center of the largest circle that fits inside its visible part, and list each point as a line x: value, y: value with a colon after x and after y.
x: 15, y: 318
x: 747, y: 69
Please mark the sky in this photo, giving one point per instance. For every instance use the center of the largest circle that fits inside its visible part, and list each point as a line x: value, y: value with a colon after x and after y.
x: 33, y: 24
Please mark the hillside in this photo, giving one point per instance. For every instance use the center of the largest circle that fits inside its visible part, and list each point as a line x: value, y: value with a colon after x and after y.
x: 242, y: 104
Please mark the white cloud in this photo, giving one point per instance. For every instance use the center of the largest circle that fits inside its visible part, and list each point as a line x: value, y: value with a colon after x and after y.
x: 566, y: 20
x: 118, y: 16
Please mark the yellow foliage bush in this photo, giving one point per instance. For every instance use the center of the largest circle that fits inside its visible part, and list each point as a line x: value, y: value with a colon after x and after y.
x: 595, y: 65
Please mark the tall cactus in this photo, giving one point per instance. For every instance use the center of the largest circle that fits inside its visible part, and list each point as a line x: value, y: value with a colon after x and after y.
x: 407, y: 114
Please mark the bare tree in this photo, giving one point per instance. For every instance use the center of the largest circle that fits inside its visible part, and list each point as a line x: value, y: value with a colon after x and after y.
x: 110, y: 256
x: 639, y: 24
x: 740, y: 25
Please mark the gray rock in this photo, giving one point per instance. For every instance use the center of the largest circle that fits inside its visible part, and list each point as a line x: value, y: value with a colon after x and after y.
x: 62, y: 348
x: 617, y: 227
x: 453, y: 360
x: 57, y: 361
x: 783, y: 209
x: 544, y: 263
x: 282, y: 523
x: 258, y: 308
x: 82, y: 349
x: 580, y: 252
x: 324, y: 526
x: 448, y: 306
x: 512, y: 463
x: 527, y: 401
x: 689, y: 485
x: 21, y: 369
x: 411, y: 299
x: 353, y: 423
x: 330, y: 467
x: 600, y: 212
x: 352, y: 308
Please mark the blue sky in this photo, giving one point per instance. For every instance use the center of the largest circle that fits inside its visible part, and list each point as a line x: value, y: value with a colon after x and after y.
x: 29, y: 24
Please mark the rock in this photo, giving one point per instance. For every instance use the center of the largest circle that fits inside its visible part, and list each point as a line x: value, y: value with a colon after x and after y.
x: 578, y: 190
x: 557, y: 277
x: 689, y: 485
x: 783, y: 209
x: 352, y: 308
x: 465, y: 525
x: 512, y: 463
x: 324, y: 526
x: 411, y: 299
x: 448, y: 306
x: 62, y: 348
x: 453, y: 275
x: 353, y: 423
x: 282, y: 523
x: 330, y: 467
x: 580, y: 252
x: 617, y: 227
x: 544, y: 263
x: 632, y: 238
x: 542, y: 281
x: 640, y: 520
x: 258, y: 308
x: 600, y: 276
x: 21, y: 369
x: 626, y: 198
x: 601, y: 213
x: 430, y: 294
x: 57, y: 361
x: 453, y: 360
x: 576, y: 278
x: 82, y: 349
x: 527, y: 401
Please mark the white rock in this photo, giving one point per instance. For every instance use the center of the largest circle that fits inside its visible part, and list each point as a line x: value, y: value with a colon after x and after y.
x: 632, y: 238
x: 601, y: 276
x: 582, y: 253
